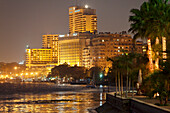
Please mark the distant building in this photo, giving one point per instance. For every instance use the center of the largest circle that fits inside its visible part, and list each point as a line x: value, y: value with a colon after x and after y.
x: 82, y: 19
x: 87, y: 57
x: 50, y: 41
x: 38, y: 58
x: 71, y: 48
x: 108, y: 45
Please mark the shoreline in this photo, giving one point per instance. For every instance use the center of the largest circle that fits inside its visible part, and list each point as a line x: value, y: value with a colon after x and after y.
x: 35, y: 88
x: 8, y: 88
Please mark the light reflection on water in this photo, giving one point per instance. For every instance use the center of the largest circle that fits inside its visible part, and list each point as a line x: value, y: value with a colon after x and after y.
x: 60, y: 102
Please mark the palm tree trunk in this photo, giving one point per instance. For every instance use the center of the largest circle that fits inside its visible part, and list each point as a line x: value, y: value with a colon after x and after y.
x: 132, y: 88
x: 150, y: 55
x: 127, y: 85
x: 166, y: 99
x: 119, y: 82
x: 164, y: 48
x: 116, y: 82
x: 160, y: 99
x: 121, y: 85
x: 157, y: 53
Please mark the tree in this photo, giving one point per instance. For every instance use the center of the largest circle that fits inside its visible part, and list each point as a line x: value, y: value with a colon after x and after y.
x: 121, y: 64
x: 150, y: 21
x: 114, y: 70
x: 65, y: 70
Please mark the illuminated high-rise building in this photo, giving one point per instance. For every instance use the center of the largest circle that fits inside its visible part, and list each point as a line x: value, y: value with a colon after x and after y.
x: 71, y: 48
x: 50, y: 41
x: 82, y: 19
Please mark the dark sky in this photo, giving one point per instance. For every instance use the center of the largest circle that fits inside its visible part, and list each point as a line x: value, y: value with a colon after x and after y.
x: 24, y: 22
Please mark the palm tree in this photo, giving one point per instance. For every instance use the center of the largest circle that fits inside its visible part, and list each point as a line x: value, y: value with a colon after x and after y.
x: 151, y: 21
x: 116, y: 71
x: 140, y: 28
x: 122, y: 64
x: 160, y: 23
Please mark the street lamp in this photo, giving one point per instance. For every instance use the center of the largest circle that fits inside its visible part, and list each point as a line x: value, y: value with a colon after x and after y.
x: 15, y: 68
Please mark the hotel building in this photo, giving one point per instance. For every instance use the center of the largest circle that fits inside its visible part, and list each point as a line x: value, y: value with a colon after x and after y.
x: 71, y: 48
x: 82, y: 19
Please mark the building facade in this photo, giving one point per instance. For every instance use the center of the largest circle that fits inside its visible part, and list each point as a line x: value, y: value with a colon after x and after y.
x: 82, y: 19
x: 71, y: 48
x: 108, y: 45
x: 50, y: 41
x: 38, y: 58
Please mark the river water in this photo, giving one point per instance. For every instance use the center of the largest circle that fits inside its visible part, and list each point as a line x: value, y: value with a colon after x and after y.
x: 53, y: 102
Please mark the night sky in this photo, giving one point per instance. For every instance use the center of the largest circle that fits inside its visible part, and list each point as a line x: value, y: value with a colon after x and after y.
x: 24, y: 22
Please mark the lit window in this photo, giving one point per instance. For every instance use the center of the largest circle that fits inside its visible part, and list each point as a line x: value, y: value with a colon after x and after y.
x: 118, y: 50
x: 102, y: 40
x: 77, y: 11
x: 118, y: 47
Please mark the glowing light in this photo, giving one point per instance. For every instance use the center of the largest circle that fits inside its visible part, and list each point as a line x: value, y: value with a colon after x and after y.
x: 157, y: 59
x: 15, y: 68
x: 150, y: 55
x: 86, y: 6
x: 164, y: 48
x: 101, y: 75
x: 74, y: 34
x: 61, y: 35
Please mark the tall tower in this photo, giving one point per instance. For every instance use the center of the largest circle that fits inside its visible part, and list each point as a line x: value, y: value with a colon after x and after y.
x: 82, y: 19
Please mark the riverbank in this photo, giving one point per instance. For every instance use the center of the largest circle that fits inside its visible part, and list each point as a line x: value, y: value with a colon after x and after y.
x: 31, y: 87
x: 45, y: 87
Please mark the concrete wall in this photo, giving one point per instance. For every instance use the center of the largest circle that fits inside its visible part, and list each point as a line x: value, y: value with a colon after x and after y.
x: 137, y: 106
x: 119, y: 103
x: 124, y: 105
